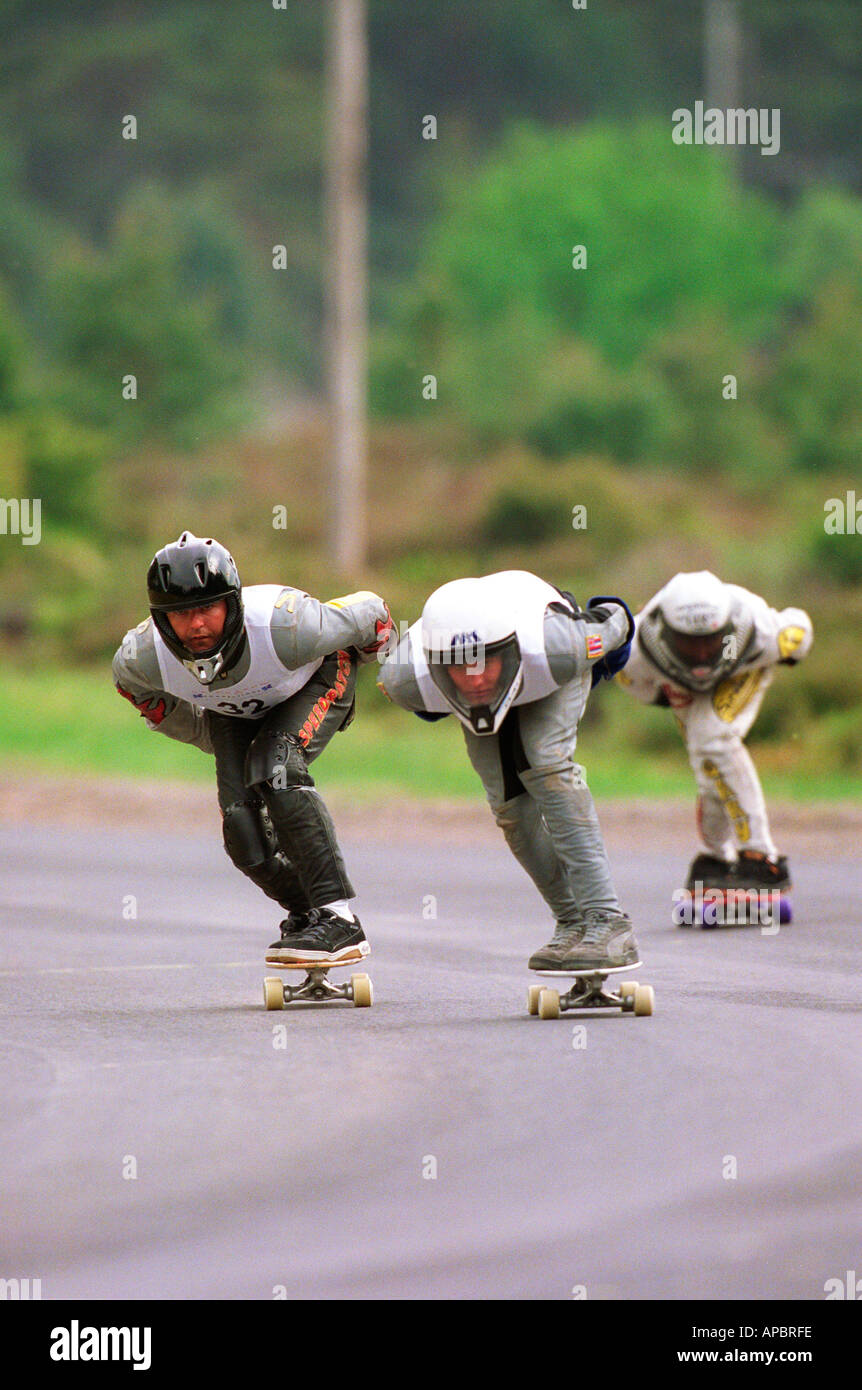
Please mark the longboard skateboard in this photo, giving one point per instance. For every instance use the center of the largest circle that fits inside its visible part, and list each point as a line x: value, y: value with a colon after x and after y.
x: 588, y: 992
x: 316, y: 986
x: 733, y: 907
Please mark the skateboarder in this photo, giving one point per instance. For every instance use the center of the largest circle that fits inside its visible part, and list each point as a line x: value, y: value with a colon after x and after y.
x: 708, y: 651
x: 514, y: 659
x: 261, y: 677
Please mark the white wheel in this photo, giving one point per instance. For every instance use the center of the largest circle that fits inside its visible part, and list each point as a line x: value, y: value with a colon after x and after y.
x: 627, y: 993
x: 363, y: 991
x: 533, y: 999
x: 549, y: 1003
x: 644, y: 1000
x: 273, y: 993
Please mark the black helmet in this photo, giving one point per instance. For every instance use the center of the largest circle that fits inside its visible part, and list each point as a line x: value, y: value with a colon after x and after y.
x: 191, y: 573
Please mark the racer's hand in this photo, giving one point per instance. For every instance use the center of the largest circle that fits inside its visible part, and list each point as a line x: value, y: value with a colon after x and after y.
x: 385, y: 631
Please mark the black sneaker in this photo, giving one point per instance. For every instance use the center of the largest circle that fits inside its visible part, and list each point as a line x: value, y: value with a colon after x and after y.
x: 327, y: 940
x: 755, y: 870
x: 295, y: 922
x: 711, y: 872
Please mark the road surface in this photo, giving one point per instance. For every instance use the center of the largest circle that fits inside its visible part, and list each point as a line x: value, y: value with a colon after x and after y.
x: 165, y: 1137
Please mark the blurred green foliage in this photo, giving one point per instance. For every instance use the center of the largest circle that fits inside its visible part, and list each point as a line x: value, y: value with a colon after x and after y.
x: 690, y: 279
x: 167, y: 301
x: 838, y: 557
x: 11, y: 357
x: 557, y: 387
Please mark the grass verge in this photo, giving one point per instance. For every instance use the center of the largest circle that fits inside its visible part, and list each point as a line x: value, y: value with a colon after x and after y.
x: 68, y: 720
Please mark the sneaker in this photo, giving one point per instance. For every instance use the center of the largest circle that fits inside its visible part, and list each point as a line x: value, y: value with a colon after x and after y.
x: 295, y: 922
x: 550, y: 957
x: 755, y: 870
x: 711, y: 872
x: 607, y: 942
x: 326, y: 940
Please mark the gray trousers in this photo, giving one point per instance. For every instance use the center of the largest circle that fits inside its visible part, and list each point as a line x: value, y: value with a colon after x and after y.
x: 541, y: 801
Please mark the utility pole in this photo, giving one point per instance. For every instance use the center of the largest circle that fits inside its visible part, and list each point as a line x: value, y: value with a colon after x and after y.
x: 346, y: 327
x: 722, y: 49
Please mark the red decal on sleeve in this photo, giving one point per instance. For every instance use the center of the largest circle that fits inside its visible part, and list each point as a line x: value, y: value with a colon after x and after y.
x: 148, y: 706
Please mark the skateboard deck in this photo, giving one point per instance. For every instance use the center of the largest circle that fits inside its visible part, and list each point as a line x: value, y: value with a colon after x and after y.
x: 316, y: 987
x: 588, y: 992
x: 733, y: 907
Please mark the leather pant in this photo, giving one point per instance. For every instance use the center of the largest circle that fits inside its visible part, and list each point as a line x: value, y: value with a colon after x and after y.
x: 277, y: 829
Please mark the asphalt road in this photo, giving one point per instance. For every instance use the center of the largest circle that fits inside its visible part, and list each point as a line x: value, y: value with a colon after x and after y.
x: 162, y: 1136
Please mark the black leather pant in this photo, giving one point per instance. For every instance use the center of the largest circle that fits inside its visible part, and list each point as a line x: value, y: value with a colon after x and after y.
x: 277, y: 829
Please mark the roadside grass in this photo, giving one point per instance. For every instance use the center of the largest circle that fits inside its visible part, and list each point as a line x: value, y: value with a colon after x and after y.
x: 68, y: 720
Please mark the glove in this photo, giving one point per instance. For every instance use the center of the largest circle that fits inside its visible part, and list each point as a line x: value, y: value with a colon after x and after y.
x: 384, y: 630
x: 607, y: 667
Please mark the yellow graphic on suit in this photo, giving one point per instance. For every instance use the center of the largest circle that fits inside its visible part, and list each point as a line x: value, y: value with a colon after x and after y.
x: 789, y: 638
x: 732, y: 695
x: 283, y: 598
x: 728, y: 801
x: 347, y: 600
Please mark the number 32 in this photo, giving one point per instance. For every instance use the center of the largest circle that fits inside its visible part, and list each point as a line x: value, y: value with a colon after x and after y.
x: 247, y: 707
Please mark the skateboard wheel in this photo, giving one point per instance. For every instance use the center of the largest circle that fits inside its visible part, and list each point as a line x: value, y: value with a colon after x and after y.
x: 549, y: 1003
x: 363, y: 991
x: 708, y: 919
x: 273, y: 993
x: 644, y: 1000
x: 627, y: 993
x: 533, y: 999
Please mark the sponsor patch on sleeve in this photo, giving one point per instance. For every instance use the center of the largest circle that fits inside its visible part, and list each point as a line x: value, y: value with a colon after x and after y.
x: 594, y: 646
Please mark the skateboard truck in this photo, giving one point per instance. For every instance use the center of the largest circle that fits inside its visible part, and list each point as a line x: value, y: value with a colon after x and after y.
x: 316, y: 987
x: 588, y: 992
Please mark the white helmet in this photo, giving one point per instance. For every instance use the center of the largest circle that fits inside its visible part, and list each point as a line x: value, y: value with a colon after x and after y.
x: 694, y: 631
x: 473, y: 653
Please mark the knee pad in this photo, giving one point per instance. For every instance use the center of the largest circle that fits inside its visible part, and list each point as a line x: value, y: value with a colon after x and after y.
x: 249, y: 837
x: 276, y: 758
